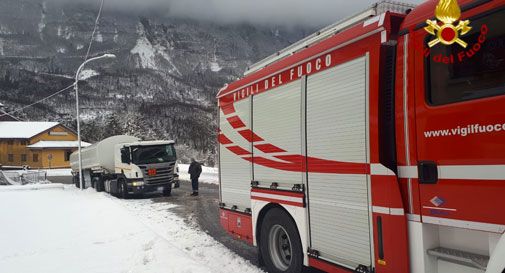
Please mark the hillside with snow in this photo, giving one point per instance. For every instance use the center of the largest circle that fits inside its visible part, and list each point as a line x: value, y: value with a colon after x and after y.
x: 162, y: 85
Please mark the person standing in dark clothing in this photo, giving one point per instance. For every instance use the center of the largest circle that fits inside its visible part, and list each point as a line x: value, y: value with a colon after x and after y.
x: 195, y: 169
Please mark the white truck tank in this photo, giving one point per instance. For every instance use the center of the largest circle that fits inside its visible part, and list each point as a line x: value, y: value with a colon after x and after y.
x: 101, y: 154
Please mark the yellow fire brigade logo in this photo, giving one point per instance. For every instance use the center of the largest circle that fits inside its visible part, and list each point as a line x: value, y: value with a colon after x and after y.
x: 447, y: 12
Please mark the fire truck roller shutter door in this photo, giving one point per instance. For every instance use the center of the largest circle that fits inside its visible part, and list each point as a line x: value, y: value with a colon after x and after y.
x: 236, y: 172
x: 277, y: 119
x: 336, y: 130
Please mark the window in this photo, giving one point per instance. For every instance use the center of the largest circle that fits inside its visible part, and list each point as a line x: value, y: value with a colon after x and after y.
x: 35, y: 157
x: 11, y: 158
x: 23, y: 157
x: 476, y: 76
x: 25, y: 142
x: 153, y: 154
x: 10, y: 142
x: 67, y: 155
x: 125, y: 155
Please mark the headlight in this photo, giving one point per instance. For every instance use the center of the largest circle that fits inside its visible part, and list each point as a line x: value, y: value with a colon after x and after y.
x: 138, y: 183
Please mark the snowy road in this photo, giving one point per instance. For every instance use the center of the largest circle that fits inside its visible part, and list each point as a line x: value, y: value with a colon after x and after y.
x: 65, y: 230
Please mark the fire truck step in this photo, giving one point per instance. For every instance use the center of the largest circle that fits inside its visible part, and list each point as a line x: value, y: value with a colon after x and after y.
x: 460, y: 257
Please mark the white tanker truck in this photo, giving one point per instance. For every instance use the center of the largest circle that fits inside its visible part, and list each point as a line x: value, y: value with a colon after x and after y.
x: 124, y: 165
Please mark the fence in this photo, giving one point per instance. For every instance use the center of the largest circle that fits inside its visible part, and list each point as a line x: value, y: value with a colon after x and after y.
x: 23, y: 177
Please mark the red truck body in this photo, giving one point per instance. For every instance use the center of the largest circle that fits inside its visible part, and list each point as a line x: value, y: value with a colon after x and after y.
x: 384, y: 154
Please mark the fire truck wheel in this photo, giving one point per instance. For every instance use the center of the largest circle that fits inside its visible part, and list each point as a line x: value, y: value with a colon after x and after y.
x: 280, y: 245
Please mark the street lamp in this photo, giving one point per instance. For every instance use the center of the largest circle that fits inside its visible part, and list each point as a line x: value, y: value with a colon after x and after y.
x: 105, y: 56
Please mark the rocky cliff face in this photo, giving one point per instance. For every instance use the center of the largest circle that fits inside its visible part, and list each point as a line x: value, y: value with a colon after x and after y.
x: 162, y: 85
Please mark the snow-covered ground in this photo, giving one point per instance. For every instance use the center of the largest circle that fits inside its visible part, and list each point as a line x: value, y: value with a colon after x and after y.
x: 67, y: 230
x: 31, y: 187
x: 209, y: 175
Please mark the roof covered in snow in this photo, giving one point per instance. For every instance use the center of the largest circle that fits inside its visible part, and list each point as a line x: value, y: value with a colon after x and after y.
x: 57, y: 144
x: 22, y: 129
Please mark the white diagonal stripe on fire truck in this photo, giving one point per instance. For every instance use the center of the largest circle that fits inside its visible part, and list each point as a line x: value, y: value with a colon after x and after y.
x: 278, y: 197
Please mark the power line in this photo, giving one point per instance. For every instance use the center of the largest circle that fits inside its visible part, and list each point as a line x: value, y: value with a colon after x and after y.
x: 97, y: 21
x: 39, y: 101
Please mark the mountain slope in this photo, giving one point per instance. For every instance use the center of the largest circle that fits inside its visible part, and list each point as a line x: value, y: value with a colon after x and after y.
x: 162, y: 85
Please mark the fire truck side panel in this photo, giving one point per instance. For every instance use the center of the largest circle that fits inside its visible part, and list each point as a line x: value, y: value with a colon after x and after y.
x: 459, y: 214
x: 236, y: 173
x: 336, y: 130
x: 464, y: 139
x: 277, y: 119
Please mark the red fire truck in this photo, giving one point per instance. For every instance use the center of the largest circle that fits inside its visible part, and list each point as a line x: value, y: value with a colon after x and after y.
x: 374, y: 145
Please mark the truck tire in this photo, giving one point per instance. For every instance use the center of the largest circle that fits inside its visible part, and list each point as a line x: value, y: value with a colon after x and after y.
x: 280, y: 244
x: 122, y: 190
x: 167, y: 191
x: 99, y: 187
x: 76, y: 180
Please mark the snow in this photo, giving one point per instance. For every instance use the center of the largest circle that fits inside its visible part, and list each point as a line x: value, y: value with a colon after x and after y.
x: 42, y: 23
x: 87, y: 73
x: 30, y: 187
x: 58, y: 144
x: 68, y: 230
x: 148, y: 53
x: 209, y: 175
x: 214, y: 67
x: 195, y: 243
x: 99, y: 37
x: 23, y: 129
x: 61, y: 50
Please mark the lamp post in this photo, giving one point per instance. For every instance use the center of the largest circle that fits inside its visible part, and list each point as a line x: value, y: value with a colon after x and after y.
x: 77, y: 108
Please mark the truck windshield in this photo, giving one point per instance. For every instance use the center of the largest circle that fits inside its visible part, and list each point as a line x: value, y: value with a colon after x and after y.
x: 153, y: 154
x: 474, y: 72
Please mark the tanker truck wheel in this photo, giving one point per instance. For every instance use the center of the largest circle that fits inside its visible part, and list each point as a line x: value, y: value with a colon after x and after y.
x: 76, y: 180
x: 167, y: 191
x: 99, y: 184
x: 122, y: 190
x: 280, y: 244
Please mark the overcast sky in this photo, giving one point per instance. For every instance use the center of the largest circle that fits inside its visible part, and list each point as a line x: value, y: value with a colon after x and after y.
x: 284, y: 12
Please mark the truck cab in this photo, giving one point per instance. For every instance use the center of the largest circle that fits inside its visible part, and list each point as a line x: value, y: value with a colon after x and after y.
x: 147, y: 166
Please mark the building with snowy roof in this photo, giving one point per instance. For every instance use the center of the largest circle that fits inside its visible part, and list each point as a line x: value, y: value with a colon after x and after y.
x: 36, y: 144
